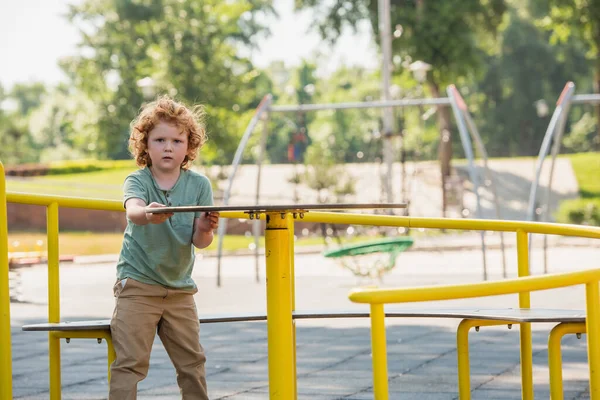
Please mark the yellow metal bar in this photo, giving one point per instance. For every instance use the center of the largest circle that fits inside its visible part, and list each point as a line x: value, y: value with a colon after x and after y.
x: 5, y: 340
x: 92, y: 334
x: 279, y: 308
x: 292, y: 240
x: 378, y: 347
x: 471, y: 290
x: 449, y: 223
x: 525, y: 331
x: 65, y: 201
x: 592, y: 299
x: 555, y: 358
x: 53, y: 299
x: 462, y: 350
x: 345, y: 218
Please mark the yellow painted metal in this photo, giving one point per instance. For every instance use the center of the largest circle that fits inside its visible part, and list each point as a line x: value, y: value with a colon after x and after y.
x: 471, y: 290
x: 378, y: 297
x: 378, y: 347
x: 65, y: 201
x: 280, y: 275
x: 291, y: 239
x: 449, y: 223
x: 525, y: 331
x: 5, y: 340
x: 462, y: 350
x: 92, y: 334
x: 279, y: 308
x: 555, y: 358
x: 53, y: 299
x: 592, y: 299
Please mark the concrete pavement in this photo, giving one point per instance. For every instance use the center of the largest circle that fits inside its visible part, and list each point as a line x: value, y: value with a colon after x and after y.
x: 333, y: 356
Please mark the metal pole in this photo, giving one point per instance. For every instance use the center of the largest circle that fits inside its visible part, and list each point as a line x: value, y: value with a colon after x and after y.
x: 53, y: 300
x: 468, y: 148
x: 525, y: 332
x: 256, y: 224
x: 433, y: 101
x: 565, y: 96
x: 280, y: 334
x: 481, y: 148
x: 237, y: 159
x: 5, y: 340
x: 388, y: 115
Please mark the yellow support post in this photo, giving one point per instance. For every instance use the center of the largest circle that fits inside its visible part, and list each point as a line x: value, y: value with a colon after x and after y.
x: 555, y: 357
x: 462, y: 350
x: 525, y: 332
x: 53, y: 300
x: 293, y: 292
x: 378, y: 347
x: 592, y: 299
x: 5, y: 341
x: 279, y: 308
x: 94, y: 334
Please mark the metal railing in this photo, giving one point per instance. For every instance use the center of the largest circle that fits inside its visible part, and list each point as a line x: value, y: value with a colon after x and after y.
x: 280, y: 274
x: 378, y: 297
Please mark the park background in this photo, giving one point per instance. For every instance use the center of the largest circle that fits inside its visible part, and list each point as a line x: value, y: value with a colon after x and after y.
x: 64, y: 124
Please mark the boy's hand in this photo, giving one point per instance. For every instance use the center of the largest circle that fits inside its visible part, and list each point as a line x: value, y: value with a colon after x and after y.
x: 157, y: 218
x: 208, y: 222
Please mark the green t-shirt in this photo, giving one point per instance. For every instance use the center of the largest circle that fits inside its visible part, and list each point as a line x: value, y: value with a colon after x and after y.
x: 163, y: 254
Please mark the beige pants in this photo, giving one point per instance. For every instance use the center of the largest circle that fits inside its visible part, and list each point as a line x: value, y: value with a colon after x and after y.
x: 141, y: 311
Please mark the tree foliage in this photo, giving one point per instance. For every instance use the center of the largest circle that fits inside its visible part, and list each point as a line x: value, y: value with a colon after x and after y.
x: 187, y: 48
x: 526, y: 69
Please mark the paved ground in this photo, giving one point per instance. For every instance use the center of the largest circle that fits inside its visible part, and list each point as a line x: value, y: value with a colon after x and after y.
x: 334, y: 359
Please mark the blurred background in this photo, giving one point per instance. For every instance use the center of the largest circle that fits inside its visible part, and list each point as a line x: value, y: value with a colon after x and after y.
x: 74, y: 73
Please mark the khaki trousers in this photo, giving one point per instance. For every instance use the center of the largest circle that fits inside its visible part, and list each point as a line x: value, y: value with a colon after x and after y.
x: 141, y: 311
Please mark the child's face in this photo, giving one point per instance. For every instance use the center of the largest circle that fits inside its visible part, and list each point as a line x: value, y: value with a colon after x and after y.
x: 167, y: 147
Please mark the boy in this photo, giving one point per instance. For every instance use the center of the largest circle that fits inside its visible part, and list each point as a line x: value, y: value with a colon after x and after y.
x: 154, y: 290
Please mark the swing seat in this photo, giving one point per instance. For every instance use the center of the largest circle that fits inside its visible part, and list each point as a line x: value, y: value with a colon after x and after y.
x: 351, y: 256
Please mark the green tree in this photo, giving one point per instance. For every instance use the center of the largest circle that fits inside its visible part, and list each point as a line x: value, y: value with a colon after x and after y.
x: 568, y: 19
x: 28, y: 96
x: 526, y: 69
x: 16, y: 145
x: 65, y: 126
x: 188, y: 49
x: 451, y: 35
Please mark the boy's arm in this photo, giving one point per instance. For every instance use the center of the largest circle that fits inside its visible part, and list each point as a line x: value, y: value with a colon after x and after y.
x: 203, y: 229
x: 136, y: 212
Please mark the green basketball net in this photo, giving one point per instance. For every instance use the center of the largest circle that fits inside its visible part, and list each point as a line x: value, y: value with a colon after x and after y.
x: 371, y: 259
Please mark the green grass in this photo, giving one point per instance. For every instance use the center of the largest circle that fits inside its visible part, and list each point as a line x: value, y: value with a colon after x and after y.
x: 585, y: 209
x: 105, y: 184
x: 91, y: 243
x: 587, y: 171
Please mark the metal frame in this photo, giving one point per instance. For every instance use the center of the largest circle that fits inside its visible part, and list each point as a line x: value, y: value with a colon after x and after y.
x: 467, y: 128
x: 281, y: 277
x: 523, y: 285
x: 266, y: 107
x: 553, y: 137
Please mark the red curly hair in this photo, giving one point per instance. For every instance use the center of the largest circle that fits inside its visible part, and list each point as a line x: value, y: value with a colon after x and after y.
x: 165, y: 109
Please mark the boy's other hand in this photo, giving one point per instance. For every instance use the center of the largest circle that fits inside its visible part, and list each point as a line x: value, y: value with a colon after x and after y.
x: 157, y: 218
x: 208, y: 222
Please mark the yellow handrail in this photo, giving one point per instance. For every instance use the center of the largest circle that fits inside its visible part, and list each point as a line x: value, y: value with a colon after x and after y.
x: 53, y: 204
x: 378, y: 297
x: 470, y: 290
x: 5, y: 345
